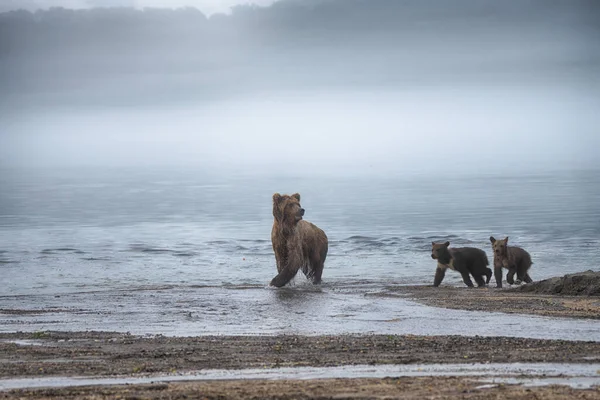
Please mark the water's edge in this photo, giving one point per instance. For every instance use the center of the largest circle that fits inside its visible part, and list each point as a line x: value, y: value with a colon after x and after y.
x: 248, y: 310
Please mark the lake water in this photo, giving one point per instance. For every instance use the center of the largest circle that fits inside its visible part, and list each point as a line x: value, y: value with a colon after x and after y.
x: 185, y: 252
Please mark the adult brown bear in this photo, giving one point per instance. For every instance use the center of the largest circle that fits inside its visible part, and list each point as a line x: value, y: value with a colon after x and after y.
x: 297, y: 243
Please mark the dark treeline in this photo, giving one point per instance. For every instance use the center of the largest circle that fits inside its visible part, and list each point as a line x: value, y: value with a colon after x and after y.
x: 307, y: 21
x: 293, y: 42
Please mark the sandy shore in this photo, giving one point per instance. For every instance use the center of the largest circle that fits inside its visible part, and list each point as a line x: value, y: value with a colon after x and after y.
x: 104, y: 354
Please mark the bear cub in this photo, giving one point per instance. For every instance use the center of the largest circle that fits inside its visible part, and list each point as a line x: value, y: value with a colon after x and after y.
x: 465, y: 260
x: 514, y: 259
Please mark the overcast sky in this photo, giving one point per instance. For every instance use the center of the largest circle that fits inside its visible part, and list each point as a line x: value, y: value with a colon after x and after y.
x: 207, y: 6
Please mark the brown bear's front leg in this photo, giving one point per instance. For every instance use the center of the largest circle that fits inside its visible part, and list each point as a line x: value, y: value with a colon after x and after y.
x: 289, y: 269
x: 284, y: 277
x: 280, y: 256
x: 439, y: 276
x: 498, y: 275
x: 278, y: 262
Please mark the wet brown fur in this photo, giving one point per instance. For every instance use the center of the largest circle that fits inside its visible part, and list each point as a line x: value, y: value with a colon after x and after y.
x: 513, y: 258
x: 465, y: 260
x: 297, y: 243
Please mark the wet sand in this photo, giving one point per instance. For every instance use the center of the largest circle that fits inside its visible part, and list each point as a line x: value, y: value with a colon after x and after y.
x: 97, y: 354
x: 91, y: 354
x: 388, y: 388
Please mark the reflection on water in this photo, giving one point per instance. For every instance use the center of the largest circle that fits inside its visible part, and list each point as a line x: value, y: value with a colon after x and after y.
x: 259, y: 310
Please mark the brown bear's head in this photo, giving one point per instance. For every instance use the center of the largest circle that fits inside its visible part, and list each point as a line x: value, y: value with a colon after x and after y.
x: 439, y: 251
x: 287, y: 209
x: 499, y: 246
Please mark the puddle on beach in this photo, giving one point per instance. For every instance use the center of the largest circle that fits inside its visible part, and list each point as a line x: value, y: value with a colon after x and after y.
x: 24, y: 342
x: 575, y: 375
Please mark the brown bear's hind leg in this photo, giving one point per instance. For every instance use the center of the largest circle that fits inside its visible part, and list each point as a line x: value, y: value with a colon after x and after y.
x: 510, y: 277
x: 467, y: 279
x: 522, y: 273
x: 317, y: 263
x: 527, y: 278
x: 479, y: 280
x: 317, y: 272
x: 488, y: 274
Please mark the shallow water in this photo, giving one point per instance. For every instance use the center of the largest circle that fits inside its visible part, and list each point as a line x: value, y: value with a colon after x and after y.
x: 577, y: 375
x: 180, y: 252
x: 259, y: 310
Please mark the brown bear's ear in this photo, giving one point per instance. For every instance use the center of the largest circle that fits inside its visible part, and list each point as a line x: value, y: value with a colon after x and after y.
x: 433, y: 243
x: 276, y: 209
x: 447, y: 244
x: 506, y: 240
x: 492, y: 239
x: 296, y: 196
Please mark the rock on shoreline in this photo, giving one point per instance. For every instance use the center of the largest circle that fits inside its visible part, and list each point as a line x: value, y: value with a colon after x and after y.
x: 580, y: 284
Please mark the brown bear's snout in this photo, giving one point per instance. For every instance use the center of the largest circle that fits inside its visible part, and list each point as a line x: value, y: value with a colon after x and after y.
x: 299, y: 214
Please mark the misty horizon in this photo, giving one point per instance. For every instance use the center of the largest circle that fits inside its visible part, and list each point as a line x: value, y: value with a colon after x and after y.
x: 208, y: 7
x: 379, y: 87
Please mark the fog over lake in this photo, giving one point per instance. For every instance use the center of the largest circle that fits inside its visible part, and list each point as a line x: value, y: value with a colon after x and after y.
x: 328, y: 86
